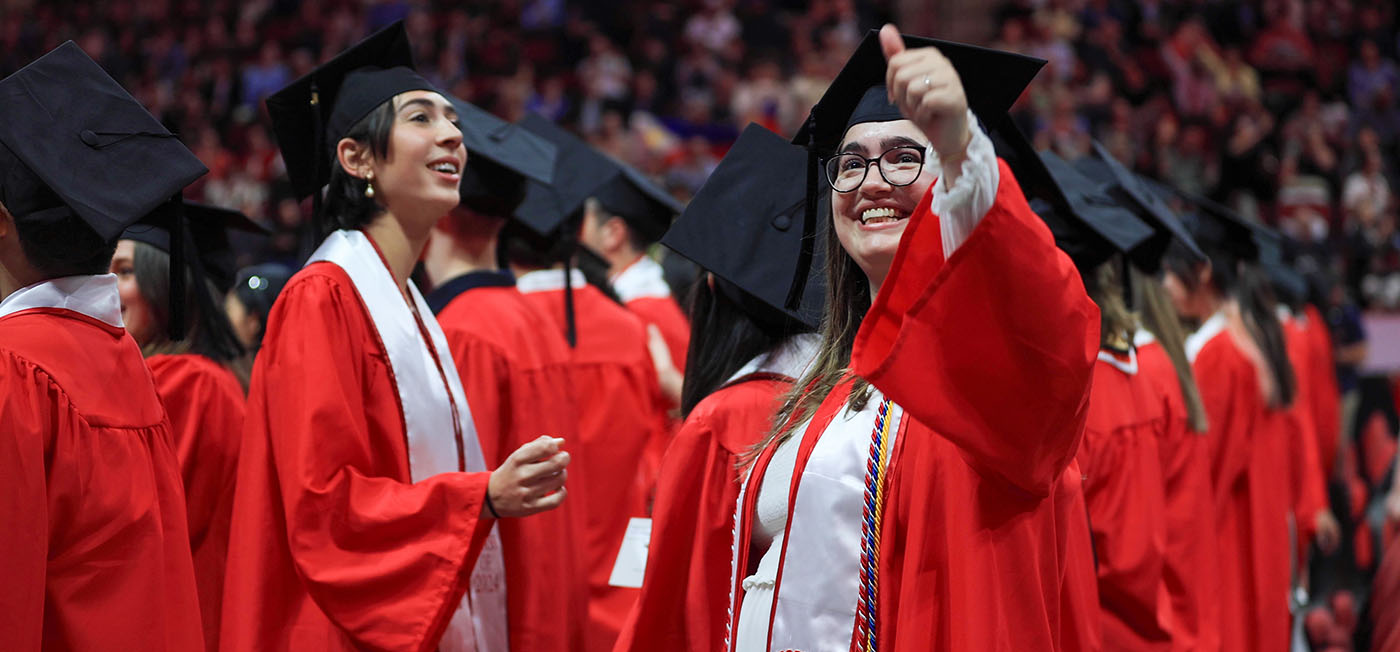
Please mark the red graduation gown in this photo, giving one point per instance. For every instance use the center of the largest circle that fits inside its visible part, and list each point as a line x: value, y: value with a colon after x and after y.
x: 1326, y: 398
x: 515, y: 376
x: 1251, y: 499
x: 1127, y: 509
x: 205, y: 404
x: 685, y: 593
x: 990, y: 354
x: 620, y: 413
x: 332, y: 547
x: 96, y: 552
x: 1191, y: 565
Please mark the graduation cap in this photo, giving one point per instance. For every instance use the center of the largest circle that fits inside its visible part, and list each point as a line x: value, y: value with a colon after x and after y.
x: 550, y: 210
x: 312, y: 114
x: 74, y: 142
x: 992, y: 81
x: 582, y: 172
x: 579, y: 172
x: 1214, y: 227
x: 508, y: 145
x: 645, y: 206
x: 744, y: 226
x: 501, y: 158
x: 1088, y: 224
x: 209, y: 230
x: 1134, y: 192
x: 196, y: 236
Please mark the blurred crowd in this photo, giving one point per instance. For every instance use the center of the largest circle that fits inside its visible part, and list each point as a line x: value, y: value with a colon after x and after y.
x: 1286, y: 110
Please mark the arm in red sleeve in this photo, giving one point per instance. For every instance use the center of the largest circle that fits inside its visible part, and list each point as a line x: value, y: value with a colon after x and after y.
x: 386, y: 559
x: 993, y: 349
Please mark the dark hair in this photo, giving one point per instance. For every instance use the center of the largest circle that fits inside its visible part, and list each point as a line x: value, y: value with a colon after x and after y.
x: 64, y: 246
x: 207, y: 329
x: 723, y: 338
x: 346, y: 206
x: 1249, y: 287
x: 258, y: 298
x: 491, y: 189
x: 1258, y: 309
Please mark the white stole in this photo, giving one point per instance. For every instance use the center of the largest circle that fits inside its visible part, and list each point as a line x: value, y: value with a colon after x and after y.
x: 479, y: 623
x: 820, y: 577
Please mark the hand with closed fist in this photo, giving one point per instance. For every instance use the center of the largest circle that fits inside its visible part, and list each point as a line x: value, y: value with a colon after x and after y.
x: 927, y: 90
x: 531, y: 480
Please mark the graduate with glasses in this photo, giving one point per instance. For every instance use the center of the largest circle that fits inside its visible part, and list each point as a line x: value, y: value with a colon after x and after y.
x: 908, y: 497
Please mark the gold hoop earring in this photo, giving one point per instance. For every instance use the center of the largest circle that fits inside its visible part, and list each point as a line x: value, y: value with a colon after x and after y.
x: 369, y: 188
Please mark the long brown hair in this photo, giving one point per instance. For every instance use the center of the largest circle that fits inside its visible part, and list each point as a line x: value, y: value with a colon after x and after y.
x: 1160, y: 319
x: 847, y: 301
x: 1116, y: 322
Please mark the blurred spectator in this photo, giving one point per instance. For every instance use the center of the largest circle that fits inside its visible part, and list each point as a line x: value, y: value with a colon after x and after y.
x: 1284, y: 108
x: 1371, y: 76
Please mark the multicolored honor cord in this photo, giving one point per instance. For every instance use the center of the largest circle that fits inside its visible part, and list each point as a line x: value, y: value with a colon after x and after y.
x: 871, y: 520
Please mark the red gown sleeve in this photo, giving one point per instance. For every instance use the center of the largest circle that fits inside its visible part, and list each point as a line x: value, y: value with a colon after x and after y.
x: 993, y: 350
x: 387, y: 560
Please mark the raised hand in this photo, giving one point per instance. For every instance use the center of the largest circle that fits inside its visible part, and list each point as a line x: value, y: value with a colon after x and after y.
x: 927, y: 90
x: 531, y: 480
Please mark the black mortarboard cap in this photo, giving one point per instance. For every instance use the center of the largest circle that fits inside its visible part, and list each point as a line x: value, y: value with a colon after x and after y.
x: 1215, y: 227
x: 209, y: 230
x: 312, y: 114
x: 197, y: 238
x: 645, y: 206
x: 73, y: 141
x: 508, y: 145
x: 579, y: 172
x: 744, y: 226
x: 992, y: 81
x: 1088, y: 224
x: 1134, y: 192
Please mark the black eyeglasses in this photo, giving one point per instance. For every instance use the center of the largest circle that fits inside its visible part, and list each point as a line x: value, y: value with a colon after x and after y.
x: 899, y: 166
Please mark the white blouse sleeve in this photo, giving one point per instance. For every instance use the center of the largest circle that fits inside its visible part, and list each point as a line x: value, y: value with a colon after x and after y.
x: 961, y: 207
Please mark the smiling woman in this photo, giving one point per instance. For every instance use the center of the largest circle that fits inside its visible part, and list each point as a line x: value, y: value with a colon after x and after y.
x: 365, y: 515
x: 900, y: 502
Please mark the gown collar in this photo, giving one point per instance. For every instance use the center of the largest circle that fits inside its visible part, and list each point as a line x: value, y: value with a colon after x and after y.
x: 445, y: 293
x: 94, y: 296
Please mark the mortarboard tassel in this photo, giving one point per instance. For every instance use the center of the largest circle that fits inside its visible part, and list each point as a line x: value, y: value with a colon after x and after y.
x: 175, y: 326
x: 809, y: 221
x: 570, y: 328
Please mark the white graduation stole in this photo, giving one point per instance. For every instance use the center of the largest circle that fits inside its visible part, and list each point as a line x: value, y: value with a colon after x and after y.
x: 815, y: 606
x: 479, y: 623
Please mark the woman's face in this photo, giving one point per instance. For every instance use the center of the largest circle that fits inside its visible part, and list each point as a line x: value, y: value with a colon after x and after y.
x: 245, y: 323
x: 870, y: 220
x: 140, y: 320
x: 422, y: 170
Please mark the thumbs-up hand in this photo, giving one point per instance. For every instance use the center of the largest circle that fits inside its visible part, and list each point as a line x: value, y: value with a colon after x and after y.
x: 927, y: 90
